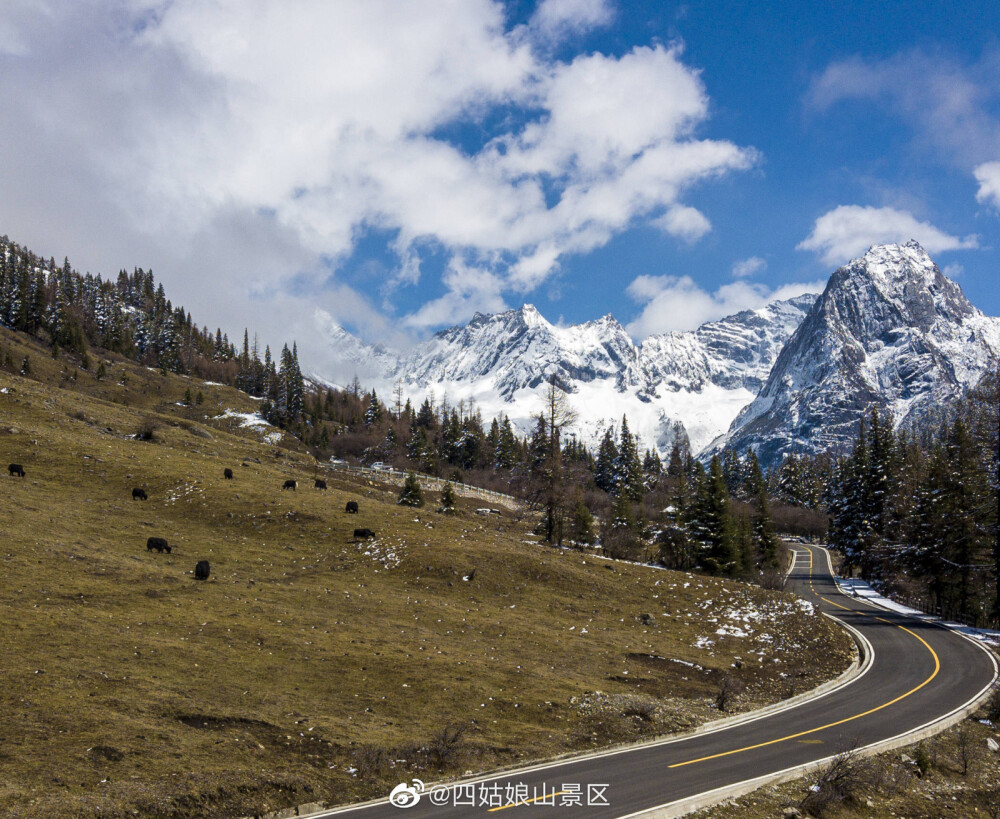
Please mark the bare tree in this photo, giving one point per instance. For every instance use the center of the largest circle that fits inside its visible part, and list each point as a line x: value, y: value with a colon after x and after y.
x: 557, y: 416
x: 397, y: 396
x: 844, y: 780
x: 967, y: 748
x: 445, y: 743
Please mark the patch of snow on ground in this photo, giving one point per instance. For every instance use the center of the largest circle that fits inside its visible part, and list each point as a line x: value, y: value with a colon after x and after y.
x: 855, y: 587
x: 254, y: 421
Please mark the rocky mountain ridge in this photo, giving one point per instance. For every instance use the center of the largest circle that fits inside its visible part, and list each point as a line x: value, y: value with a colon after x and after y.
x: 889, y: 331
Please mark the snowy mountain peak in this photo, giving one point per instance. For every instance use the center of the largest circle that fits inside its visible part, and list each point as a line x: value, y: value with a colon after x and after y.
x: 889, y: 331
x: 690, y: 384
x: 906, y: 276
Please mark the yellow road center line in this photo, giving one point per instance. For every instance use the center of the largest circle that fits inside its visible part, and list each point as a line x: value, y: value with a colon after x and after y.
x: 937, y: 668
x: 527, y: 801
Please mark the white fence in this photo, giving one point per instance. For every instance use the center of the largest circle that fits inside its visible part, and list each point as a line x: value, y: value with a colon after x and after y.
x: 397, y: 477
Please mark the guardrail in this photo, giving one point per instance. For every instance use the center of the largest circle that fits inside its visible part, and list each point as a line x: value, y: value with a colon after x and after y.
x: 397, y: 477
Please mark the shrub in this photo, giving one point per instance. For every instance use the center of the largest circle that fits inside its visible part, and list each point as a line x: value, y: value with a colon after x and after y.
x: 447, y: 499
x: 923, y: 760
x: 843, y: 781
x: 445, y: 743
x: 412, y: 495
x: 729, y: 689
x: 147, y: 429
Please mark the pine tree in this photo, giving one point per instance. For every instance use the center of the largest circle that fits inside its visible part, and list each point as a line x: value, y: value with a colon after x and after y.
x: 373, y: 415
x: 505, y: 455
x: 604, y: 467
x: 765, y: 543
x: 712, y: 523
x: 627, y: 467
x: 652, y: 468
x: 732, y: 471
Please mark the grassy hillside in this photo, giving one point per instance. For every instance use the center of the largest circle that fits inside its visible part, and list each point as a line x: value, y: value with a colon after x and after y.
x: 311, y: 666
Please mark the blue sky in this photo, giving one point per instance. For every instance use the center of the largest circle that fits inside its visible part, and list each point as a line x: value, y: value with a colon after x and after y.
x: 395, y: 167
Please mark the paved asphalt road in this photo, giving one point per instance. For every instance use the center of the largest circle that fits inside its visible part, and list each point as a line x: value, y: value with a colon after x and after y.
x: 920, y: 673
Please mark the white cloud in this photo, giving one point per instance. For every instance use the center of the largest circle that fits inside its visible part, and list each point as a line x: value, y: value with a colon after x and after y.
x: 684, y: 222
x: 555, y: 19
x: 848, y: 231
x: 948, y: 108
x: 988, y: 177
x: 168, y: 134
x: 953, y: 271
x: 748, y: 267
x: 679, y: 303
x: 470, y: 290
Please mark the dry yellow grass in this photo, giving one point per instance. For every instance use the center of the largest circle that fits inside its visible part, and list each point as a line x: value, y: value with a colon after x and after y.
x: 309, y: 666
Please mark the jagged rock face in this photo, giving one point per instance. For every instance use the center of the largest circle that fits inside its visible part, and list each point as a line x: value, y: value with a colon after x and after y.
x: 676, y: 385
x: 734, y: 352
x: 519, y: 349
x: 890, y: 331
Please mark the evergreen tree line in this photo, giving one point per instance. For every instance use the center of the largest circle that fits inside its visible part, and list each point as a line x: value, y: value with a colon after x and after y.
x: 132, y: 316
x: 916, y: 511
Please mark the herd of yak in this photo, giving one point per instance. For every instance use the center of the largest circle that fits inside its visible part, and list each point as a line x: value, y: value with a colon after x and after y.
x: 203, y: 569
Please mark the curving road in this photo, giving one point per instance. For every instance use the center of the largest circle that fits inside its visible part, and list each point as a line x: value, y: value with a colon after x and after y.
x: 919, y: 674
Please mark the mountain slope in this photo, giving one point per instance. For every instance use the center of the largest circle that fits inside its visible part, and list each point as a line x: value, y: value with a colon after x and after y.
x: 688, y: 384
x: 889, y: 331
x: 118, y: 663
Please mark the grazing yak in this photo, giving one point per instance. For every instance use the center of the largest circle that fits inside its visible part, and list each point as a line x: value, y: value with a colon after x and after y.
x: 352, y: 507
x: 139, y: 494
x: 363, y: 533
x: 291, y: 483
x: 16, y: 469
x: 157, y: 543
x: 202, y: 570
x: 320, y: 484
x: 227, y: 473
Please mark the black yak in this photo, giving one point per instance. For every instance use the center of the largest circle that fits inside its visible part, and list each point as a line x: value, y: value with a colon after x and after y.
x: 290, y: 484
x: 227, y: 473
x: 139, y: 494
x: 352, y: 507
x: 16, y: 469
x: 363, y: 533
x: 201, y: 570
x: 320, y: 484
x: 157, y: 543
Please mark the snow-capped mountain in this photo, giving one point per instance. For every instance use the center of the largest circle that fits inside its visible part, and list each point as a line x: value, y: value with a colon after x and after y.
x: 889, y: 331
x: 690, y: 384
